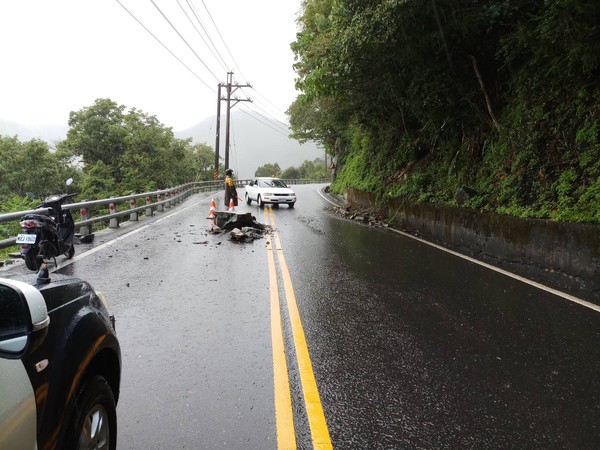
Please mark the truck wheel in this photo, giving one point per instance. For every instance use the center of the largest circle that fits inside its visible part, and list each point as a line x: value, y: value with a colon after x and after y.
x: 94, y: 418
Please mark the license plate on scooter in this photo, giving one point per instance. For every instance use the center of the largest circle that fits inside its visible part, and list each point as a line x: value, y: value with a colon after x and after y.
x: 26, y: 238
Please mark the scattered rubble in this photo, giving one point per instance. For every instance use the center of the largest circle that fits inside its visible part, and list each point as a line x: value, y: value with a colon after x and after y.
x: 366, y: 216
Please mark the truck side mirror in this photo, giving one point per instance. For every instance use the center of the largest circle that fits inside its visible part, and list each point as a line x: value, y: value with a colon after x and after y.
x: 23, y: 317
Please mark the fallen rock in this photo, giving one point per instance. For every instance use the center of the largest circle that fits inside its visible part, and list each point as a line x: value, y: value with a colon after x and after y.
x: 84, y: 238
x: 228, y: 221
x: 246, y: 234
x: 464, y: 194
x: 253, y: 233
x: 237, y: 234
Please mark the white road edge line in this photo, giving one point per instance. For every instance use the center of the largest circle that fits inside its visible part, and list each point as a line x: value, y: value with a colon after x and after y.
x: 494, y: 268
x: 117, y: 239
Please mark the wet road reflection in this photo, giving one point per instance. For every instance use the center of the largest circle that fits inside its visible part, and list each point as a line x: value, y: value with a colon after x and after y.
x: 416, y: 348
x: 411, y: 347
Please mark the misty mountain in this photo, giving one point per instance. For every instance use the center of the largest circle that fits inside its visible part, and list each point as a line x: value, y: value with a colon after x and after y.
x: 47, y: 133
x: 253, y: 144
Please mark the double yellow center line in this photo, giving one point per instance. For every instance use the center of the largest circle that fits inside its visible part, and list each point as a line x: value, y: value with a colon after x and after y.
x: 284, y: 418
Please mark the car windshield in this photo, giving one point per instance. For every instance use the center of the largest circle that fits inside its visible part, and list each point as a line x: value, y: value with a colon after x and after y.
x: 272, y: 183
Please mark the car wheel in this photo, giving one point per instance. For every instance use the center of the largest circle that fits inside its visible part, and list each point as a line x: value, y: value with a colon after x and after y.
x: 291, y: 205
x: 259, y: 201
x: 32, y: 261
x: 248, y: 199
x: 94, y: 419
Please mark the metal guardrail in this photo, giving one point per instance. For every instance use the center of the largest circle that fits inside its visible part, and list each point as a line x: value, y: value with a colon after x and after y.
x: 154, y: 201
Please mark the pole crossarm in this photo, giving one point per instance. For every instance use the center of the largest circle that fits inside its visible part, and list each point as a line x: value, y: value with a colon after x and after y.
x: 231, y: 102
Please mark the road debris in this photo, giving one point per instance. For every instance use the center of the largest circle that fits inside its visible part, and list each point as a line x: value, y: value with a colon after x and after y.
x: 241, y: 227
x: 366, y: 216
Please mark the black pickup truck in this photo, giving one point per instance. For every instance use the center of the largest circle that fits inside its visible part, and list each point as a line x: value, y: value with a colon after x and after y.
x: 60, y: 365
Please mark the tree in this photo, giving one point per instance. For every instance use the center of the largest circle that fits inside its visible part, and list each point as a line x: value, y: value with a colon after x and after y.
x: 97, y: 133
x: 310, y: 170
x: 98, y: 182
x: 201, y: 163
x: 417, y: 98
x: 291, y: 173
x: 268, y: 170
x: 31, y: 168
x: 9, y: 150
x: 131, y: 151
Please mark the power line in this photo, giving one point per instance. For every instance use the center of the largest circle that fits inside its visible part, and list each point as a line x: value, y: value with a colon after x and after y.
x: 262, y: 121
x: 222, y: 40
x: 223, y: 63
x: 183, y: 39
x: 275, y: 108
x: 166, y: 48
x: 255, y: 108
x: 274, y: 124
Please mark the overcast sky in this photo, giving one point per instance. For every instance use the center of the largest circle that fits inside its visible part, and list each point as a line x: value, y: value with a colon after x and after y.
x: 61, y: 55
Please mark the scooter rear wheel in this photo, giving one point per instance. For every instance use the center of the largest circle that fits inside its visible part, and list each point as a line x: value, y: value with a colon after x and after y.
x: 32, y: 261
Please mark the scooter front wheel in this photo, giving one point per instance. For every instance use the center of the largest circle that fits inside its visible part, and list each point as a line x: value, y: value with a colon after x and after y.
x: 32, y: 261
x: 71, y: 252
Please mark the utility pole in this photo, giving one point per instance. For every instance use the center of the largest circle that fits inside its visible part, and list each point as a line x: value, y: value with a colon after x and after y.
x: 216, y: 171
x: 231, y: 102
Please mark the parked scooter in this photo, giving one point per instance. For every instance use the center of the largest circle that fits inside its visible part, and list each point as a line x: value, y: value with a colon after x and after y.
x: 44, y: 237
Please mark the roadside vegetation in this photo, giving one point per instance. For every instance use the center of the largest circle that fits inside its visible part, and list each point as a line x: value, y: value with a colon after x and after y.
x: 109, y: 151
x: 308, y: 170
x: 416, y: 99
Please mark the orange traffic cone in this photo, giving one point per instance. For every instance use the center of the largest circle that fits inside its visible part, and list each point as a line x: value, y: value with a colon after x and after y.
x: 213, y: 208
x: 231, y: 205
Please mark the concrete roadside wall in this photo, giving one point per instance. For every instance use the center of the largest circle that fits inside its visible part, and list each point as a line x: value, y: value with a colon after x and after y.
x: 562, y: 255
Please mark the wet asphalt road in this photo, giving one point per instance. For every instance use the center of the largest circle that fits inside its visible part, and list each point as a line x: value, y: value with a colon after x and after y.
x: 412, y: 347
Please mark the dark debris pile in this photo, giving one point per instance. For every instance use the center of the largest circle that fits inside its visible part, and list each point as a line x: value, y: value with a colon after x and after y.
x: 241, y: 227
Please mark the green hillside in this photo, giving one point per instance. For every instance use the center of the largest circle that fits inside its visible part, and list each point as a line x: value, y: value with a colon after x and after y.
x: 417, y: 98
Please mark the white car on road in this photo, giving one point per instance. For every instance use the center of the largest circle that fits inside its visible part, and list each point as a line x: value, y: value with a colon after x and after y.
x: 265, y: 190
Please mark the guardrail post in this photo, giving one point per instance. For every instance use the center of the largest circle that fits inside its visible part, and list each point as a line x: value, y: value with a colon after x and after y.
x: 134, y: 215
x: 114, y: 222
x: 168, y: 203
x: 84, y: 230
x: 148, y: 208
x: 160, y: 206
x: 177, y: 197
